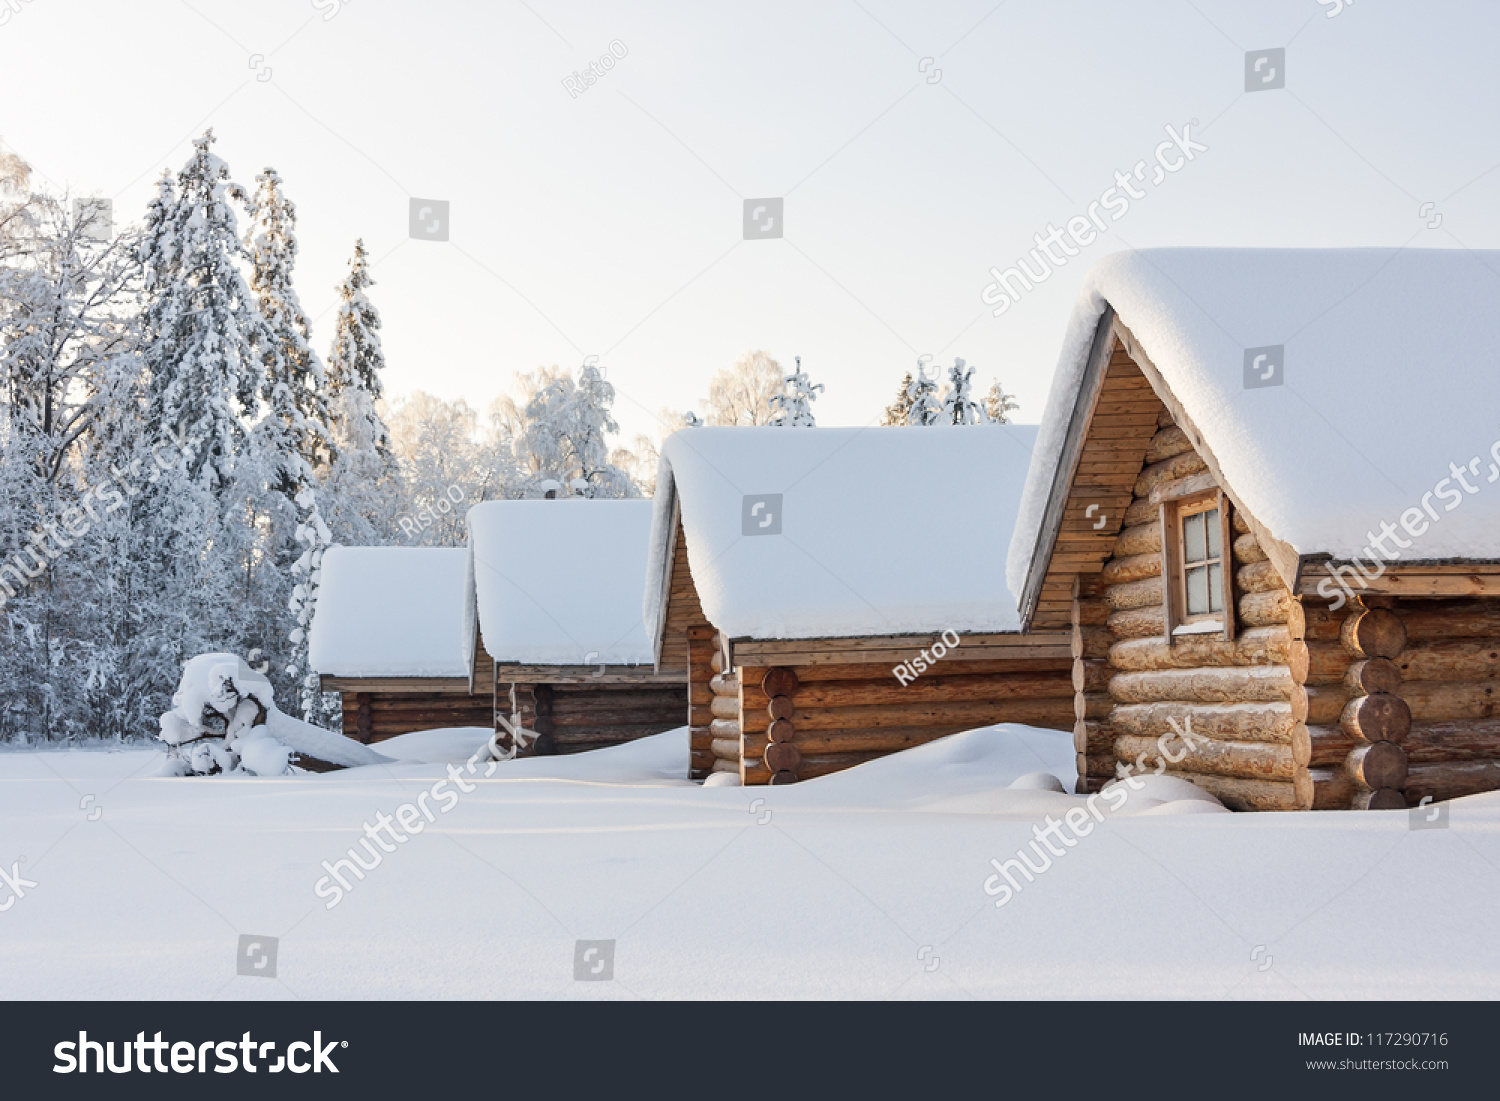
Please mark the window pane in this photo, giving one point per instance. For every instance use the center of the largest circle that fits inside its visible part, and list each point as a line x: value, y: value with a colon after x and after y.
x: 1216, y: 588
x: 1197, y: 590
x: 1211, y: 520
x: 1192, y: 538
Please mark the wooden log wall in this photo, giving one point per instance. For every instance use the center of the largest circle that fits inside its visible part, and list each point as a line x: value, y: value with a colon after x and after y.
x: 375, y: 716
x: 683, y: 609
x: 1246, y: 699
x: 1093, y: 736
x: 1414, y: 713
x: 802, y: 721
x: 572, y: 718
x: 724, y: 712
x: 1376, y: 704
x: 700, y: 655
x: 1449, y: 665
x: 1374, y: 720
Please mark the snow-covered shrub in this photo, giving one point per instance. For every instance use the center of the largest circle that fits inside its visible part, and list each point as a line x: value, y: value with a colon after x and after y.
x: 218, y: 704
x: 224, y: 720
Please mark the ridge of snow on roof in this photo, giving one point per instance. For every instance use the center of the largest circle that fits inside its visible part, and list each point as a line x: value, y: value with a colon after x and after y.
x: 1392, y: 372
x: 561, y: 582
x: 885, y: 531
x: 389, y: 612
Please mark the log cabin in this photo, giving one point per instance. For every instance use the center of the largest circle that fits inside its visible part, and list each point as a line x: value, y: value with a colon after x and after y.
x: 1263, y: 502
x: 554, y: 632
x: 832, y: 595
x: 387, y: 635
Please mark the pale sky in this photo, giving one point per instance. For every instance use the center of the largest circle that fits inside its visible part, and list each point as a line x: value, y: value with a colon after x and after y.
x: 914, y: 146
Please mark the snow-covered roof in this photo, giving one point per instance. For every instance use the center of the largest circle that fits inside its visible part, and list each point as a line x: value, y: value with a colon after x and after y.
x: 390, y: 612
x: 561, y: 582
x: 1391, y: 374
x: 879, y: 531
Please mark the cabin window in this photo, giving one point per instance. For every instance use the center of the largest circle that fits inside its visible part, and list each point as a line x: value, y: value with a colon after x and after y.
x: 1202, y: 563
x: 1197, y: 570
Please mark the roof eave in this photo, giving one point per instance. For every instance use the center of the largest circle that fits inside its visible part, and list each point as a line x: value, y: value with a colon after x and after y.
x: 1067, y: 467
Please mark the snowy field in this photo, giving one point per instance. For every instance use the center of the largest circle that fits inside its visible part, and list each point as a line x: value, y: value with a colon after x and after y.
x: 866, y: 884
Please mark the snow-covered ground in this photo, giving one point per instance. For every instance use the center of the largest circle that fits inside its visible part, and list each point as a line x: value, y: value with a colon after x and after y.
x: 867, y: 884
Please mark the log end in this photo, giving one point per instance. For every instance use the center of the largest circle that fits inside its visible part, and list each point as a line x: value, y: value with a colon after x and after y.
x: 1372, y: 676
x: 1374, y: 633
x: 779, y: 681
x: 781, y: 707
x: 782, y: 757
x: 1383, y: 799
x: 781, y: 730
x: 1378, y: 718
x: 1378, y: 766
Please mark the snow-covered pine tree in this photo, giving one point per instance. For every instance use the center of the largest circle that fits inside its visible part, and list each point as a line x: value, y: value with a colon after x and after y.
x: 315, y: 537
x: 923, y: 409
x: 201, y: 575
x: 357, y: 359
x: 959, y: 407
x: 361, y: 486
x: 998, y: 405
x: 201, y: 327
x: 792, y: 408
x: 294, y: 433
x: 896, y: 412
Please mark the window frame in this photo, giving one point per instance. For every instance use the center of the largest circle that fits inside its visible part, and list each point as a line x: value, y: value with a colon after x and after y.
x: 1174, y: 572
